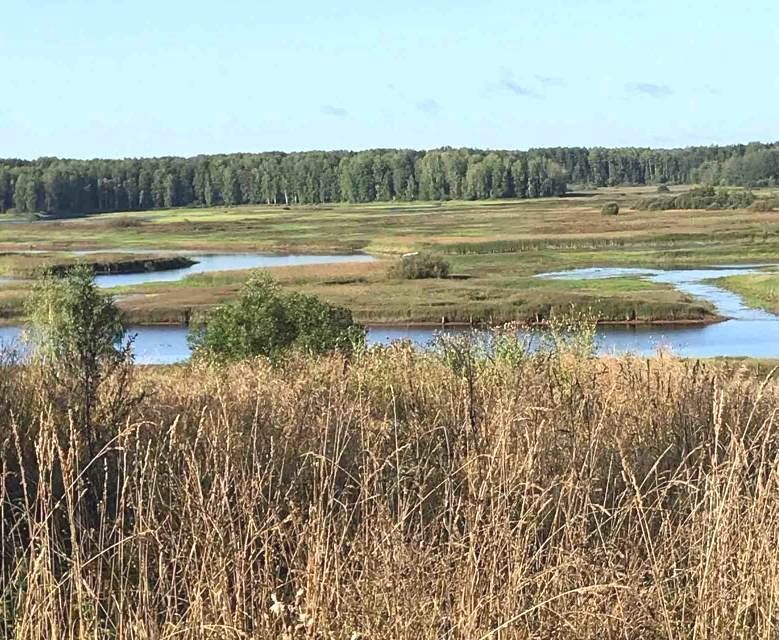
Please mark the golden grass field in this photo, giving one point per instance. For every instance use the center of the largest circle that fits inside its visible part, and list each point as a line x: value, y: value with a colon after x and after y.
x: 399, y: 495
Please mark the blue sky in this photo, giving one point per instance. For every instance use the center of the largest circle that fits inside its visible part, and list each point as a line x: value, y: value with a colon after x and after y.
x: 117, y: 78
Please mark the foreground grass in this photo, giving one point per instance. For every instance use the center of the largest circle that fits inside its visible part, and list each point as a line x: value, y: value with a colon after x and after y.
x: 758, y: 367
x: 403, y: 495
x: 496, y: 245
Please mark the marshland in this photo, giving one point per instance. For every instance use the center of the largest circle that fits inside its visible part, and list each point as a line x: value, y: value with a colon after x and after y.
x: 487, y: 392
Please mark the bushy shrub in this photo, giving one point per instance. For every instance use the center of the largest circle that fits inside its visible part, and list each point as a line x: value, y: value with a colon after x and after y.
x: 417, y: 266
x: 322, y: 327
x: 663, y: 188
x: 610, y: 209
x: 264, y: 321
x: 699, y: 198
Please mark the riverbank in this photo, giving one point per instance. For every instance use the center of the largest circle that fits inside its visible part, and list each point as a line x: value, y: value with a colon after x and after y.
x: 20, y: 265
x: 759, y: 290
x: 378, y: 299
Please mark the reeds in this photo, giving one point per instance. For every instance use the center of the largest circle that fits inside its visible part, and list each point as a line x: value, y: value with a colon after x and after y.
x: 553, y: 495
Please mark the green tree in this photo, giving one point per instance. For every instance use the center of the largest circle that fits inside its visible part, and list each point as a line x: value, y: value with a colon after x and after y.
x: 263, y: 321
x: 26, y: 193
x: 169, y: 191
x: 477, y: 185
x: 519, y: 177
x: 86, y: 366
x: 76, y: 330
x: 256, y: 324
x: 231, y: 187
x: 6, y: 189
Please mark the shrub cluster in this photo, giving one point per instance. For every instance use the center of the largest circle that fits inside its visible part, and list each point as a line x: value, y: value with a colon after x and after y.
x: 417, y: 266
x: 699, y: 198
x: 264, y: 321
x: 610, y: 209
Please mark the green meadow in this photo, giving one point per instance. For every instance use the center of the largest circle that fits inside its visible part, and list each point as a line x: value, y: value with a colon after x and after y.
x: 495, y: 248
x: 759, y: 290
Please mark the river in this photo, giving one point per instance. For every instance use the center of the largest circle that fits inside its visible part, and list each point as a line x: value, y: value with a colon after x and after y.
x: 754, y: 338
x: 748, y: 332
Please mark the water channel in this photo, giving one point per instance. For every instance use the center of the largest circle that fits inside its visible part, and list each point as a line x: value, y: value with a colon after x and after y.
x: 747, y: 332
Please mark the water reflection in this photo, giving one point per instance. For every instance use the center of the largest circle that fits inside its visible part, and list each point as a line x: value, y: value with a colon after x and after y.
x: 737, y: 338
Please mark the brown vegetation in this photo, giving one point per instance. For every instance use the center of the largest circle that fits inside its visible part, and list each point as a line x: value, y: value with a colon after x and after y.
x: 399, y: 495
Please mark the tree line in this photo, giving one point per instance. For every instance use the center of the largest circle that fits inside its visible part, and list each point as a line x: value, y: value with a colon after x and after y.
x: 758, y: 168
x: 56, y: 185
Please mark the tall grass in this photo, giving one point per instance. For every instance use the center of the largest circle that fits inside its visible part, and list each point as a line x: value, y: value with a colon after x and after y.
x: 399, y: 495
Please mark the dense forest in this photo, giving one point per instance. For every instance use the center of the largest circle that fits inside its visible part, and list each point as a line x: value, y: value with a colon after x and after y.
x: 88, y: 186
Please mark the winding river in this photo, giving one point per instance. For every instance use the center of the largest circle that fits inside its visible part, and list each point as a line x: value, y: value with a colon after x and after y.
x: 747, y: 332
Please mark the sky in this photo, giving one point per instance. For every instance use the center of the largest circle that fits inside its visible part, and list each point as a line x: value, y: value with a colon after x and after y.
x: 130, y: 78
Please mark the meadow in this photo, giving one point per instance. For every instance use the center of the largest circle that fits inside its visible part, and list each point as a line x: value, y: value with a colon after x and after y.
x: 398, y: 495
x: 495, y: 248
x: 759, y: 290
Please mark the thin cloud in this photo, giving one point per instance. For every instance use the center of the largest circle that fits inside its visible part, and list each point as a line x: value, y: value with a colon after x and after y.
x: 517, y: 89
x: 507, y: 84
x: 650, y: 89
x: 336, y: 112
x: 550, y: 81
x: 429, y: 106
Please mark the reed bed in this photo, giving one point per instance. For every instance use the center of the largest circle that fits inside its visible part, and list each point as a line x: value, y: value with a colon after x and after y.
x: 397, y: 495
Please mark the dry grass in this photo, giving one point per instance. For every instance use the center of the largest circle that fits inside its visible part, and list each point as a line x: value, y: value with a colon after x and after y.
x: 403, y: 495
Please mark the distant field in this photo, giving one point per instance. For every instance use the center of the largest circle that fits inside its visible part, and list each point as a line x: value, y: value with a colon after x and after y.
x: 495, y: 246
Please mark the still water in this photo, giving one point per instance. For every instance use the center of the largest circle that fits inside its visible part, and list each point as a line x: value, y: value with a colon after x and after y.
x: 694, y: 282
x: 755, y: 338
x: 748, y: 332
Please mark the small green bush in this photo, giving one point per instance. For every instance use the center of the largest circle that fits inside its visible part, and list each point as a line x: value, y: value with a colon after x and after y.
x: 610, y: 209
x: 264, y: 321
x: 658, y: 203
x: 420, y: 265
